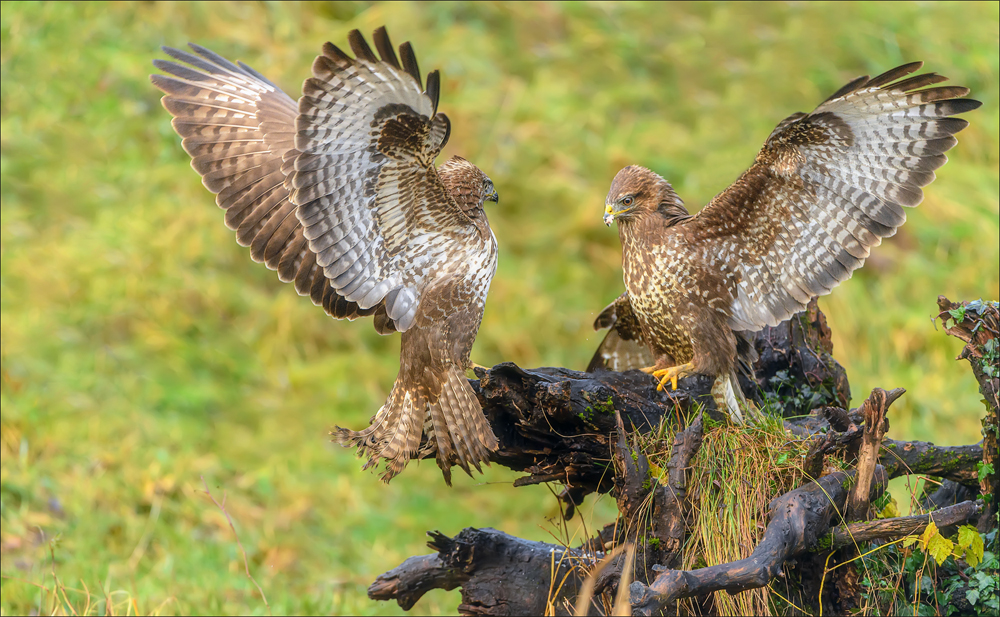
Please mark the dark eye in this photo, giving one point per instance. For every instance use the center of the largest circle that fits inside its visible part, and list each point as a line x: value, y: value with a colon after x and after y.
x: 627, y: 201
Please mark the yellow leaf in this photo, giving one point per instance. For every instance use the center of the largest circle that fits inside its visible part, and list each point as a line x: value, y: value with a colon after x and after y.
x: 970, y: 540
x: 909, y: 541
x: 940, y: 547
x: 929, y: 533
x: 890, y: 510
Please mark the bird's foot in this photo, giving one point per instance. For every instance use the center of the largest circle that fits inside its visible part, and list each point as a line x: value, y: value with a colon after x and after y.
x: 478, y: 369
x: 671, y: 374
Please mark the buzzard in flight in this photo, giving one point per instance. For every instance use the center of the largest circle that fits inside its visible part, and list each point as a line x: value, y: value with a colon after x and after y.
x: 826, y: 187
x: 339, y: 194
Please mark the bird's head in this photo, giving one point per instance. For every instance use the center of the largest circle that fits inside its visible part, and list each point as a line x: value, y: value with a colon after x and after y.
x: 636, y: 192
x: 467, y: 184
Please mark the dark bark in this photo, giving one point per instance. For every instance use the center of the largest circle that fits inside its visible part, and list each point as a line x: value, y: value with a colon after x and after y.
x: 670, y: 504
x: 798, y: 520
x: 874, y: 411
x: 557, y: 424
x: 957, y: 463
x: 899, y: 527
x: 796, y: 370
x: 499, y: 574
x: 978, y: 324
x: 410, y: 580
x: 504, y: 575
x: 900, y: 458
x: 579, y: 429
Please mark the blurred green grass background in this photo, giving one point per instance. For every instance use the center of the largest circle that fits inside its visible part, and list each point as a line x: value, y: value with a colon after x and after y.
x: 142, y: 349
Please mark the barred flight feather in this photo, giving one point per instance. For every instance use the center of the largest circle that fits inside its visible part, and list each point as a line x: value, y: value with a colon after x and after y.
x: 826, y: 187
x: 339, y: 194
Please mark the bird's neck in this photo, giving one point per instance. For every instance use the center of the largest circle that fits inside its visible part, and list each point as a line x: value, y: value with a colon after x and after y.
x: 635, y: 235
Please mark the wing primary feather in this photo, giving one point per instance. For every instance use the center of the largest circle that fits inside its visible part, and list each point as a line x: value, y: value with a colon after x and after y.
x: 192, y: 59
x: 384, y: 46
x: 215, y: 58
x: 434, y: 87
x: 410, y: 62
x: 919, y: 81
x: 257, y: 75
x: 849, y: 87
x: 336, y: 54
x: 893, y: 74
x: 360, y: 47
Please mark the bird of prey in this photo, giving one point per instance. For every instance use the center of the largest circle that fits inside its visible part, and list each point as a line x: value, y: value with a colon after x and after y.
x: 826, y: 187
x: 339, y: 194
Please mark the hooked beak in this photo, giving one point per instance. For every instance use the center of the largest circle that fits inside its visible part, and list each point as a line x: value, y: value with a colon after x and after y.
x: 609, y: 216
x: 494, y: 197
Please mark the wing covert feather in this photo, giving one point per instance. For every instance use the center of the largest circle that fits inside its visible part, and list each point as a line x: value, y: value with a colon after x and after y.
x: 372, y: 205
x: 827, y: 187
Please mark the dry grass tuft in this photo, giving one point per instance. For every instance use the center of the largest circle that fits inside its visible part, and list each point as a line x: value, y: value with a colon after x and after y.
x: 737, y: 472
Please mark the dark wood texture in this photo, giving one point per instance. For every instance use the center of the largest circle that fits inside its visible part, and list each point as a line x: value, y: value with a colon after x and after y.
x: 899, y: 527
x: 556, y: 424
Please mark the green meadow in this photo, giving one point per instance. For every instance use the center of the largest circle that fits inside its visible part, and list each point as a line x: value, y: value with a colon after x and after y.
x: 142, y: 349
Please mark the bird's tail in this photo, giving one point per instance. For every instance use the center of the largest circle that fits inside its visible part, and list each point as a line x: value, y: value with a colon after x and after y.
x: 446, y: 405
x: 728, y: 395
x: 458, y: 429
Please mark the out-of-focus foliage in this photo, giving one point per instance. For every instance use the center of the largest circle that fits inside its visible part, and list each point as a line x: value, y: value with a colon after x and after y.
x: 141, y: 348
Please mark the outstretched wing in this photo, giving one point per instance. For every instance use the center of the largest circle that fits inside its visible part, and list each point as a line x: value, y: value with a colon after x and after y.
x: 825, y: 188
x: 623, y: 347
x: 378, y: 218
x: 239, y: 129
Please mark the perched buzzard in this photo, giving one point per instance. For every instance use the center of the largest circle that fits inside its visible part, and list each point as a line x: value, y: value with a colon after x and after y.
x: 825, y: 188
x: 339, y: 194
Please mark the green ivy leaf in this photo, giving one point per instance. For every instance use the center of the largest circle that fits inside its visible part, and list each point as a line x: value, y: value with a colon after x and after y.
x: 984, y: 581
x: 984, y: 470
x: 972, y: 596
x: 958, y: 314
x: 924, y: 610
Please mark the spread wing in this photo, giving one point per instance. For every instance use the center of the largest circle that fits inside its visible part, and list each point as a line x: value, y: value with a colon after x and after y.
x: 825, y: 188
x: 623, y: 348
x: 338, y: 193
x: 239, y: 129
x: 375, y: 212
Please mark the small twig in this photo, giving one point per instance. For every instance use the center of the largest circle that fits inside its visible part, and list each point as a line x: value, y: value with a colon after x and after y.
x: 246, y: 561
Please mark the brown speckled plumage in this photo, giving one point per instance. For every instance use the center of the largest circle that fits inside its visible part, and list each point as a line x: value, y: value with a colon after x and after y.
x: 825, y: 188
x: 339, y: 194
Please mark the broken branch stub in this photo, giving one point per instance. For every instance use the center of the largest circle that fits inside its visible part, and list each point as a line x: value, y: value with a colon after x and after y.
x: 874, y: 411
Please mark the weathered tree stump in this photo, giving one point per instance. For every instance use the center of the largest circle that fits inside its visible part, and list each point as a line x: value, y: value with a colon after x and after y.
x: 581, y: 429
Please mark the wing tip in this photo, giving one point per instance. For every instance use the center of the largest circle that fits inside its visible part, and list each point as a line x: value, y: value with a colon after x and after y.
x: 360, y: 47
x: 410, y: 62
x: 384, y: 47
x: 433, y: 90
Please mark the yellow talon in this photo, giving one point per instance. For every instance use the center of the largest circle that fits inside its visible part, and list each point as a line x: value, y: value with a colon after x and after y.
x: 671, y: 374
